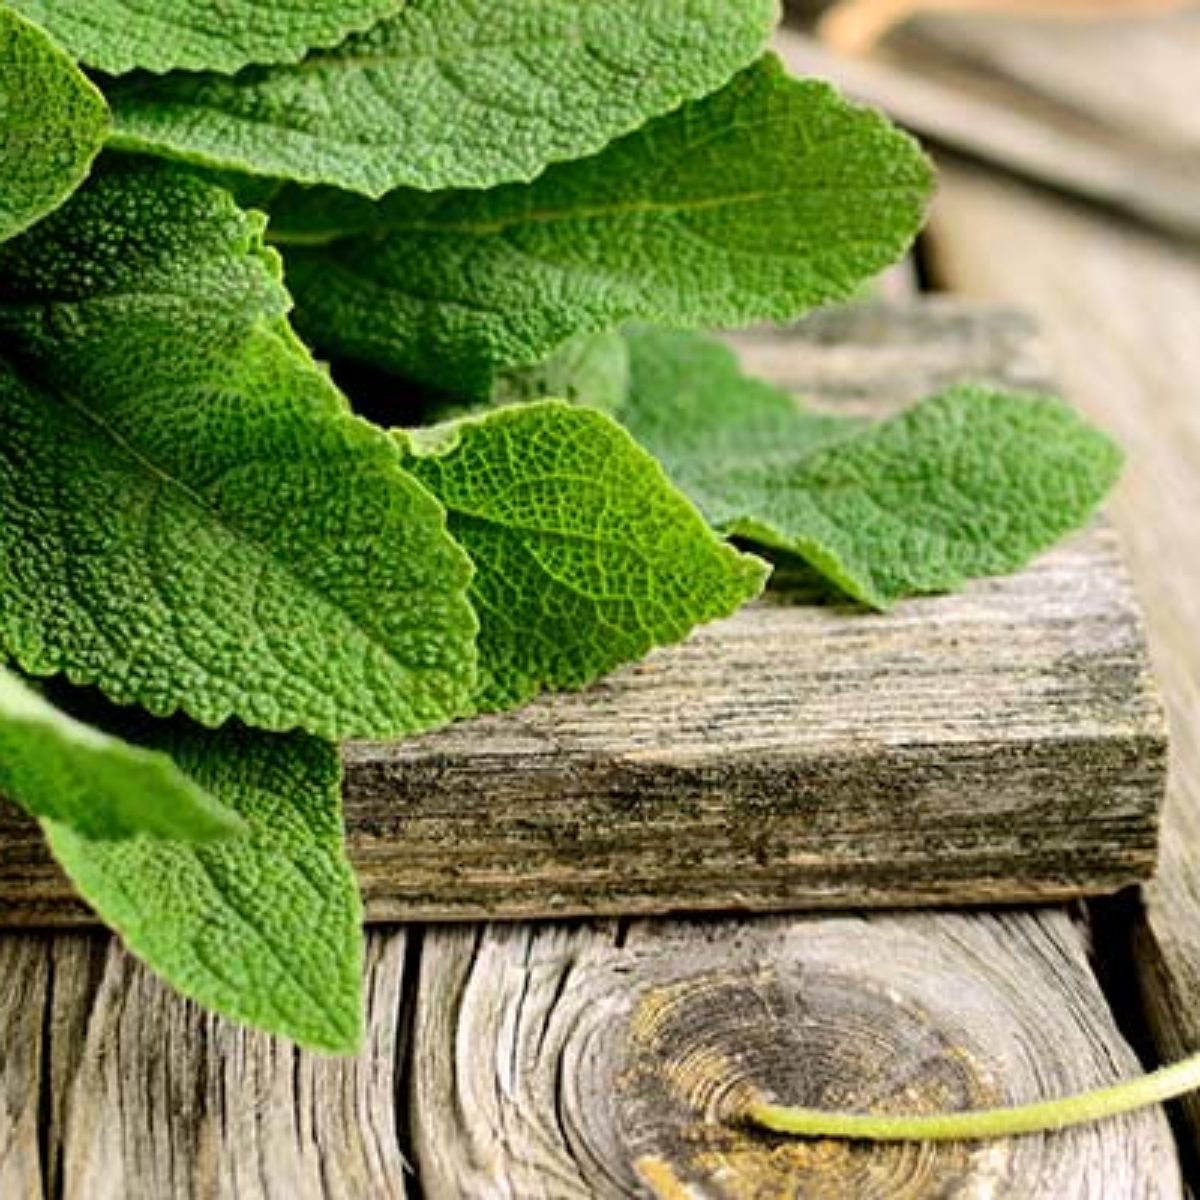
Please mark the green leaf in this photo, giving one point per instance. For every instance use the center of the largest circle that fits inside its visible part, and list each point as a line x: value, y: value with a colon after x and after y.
x: 592, y: 369
x: 451, y: 93
x: 586, y: 557
x: 189, y: 515
x: 768, y: 198
x: 265, y: 928
x: 218, y: 35
x: 970, y: 482
x: 55, y: 766
x: 690, y: 405
x: 52, y: 124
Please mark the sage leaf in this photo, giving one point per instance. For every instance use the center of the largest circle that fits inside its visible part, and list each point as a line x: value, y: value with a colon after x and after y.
x: 101, y: 786
x: 972, y: 481
x: 450, y: 93
x: 219, y: 35
x: 265, y: 928
x: 585, y: 555
x: 760, y: 201
x: 53, y: 123
x: 592, y: 369
x: 190, y: 517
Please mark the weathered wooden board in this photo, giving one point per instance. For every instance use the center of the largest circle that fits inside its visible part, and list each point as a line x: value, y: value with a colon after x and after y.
x: 560, y: 1062
x: 989, y: 95
x: 114, y: 1088
x: 1002, y: 744
x: 1122, y: 311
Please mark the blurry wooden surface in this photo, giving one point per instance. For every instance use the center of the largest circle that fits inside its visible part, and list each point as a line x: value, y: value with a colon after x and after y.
x: 1107, y: 109
x: 1121, y: 310
x: 1001, y: 744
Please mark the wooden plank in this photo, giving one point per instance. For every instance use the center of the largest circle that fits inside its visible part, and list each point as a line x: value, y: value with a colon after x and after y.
x: 556, y: 1062
x: 1122, y: 310
x: 114, y: 1087
x: 954, y: 104
x: 1002, y: 744
x: 24, y: 984
x: 1071, y: 66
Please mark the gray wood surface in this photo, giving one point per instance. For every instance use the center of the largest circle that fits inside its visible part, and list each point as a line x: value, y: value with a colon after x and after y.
x: 1005, y: 743
x: 1122, y: 312
x: 1110, y: 111
x: 571, y: 1062
x: 114, y: 1088
x: 567, y: 1059
x: 560, y: 1060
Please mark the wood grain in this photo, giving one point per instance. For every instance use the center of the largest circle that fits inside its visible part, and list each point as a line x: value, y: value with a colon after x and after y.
x: 1001, y: 744
x: 24, y: 984
x: 115, y: 1088
x: 1121, y: 309
x: 555, y: 1062
x: 1059, y: 134
x: 566, y: 1059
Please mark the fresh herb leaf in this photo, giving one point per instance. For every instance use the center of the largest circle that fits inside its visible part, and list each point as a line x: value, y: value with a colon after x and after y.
x: 52, y: 124
x: 55, y: 766
x: 592, y: 369
x: 690, y: 404
x: 218, y: 35
x: 191, y: 518
x: 450, y: 93
x: 586, y: 557
x: 265, y: 928
x: 973, y: 481
x: 767, y: 198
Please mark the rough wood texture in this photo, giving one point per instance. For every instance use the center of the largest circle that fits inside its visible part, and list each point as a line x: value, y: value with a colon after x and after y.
x: 114, y: 1088
x: 562, y: 1062
x: 1001, y: 744
x: 1122, y: 311
x: 1045, y: 104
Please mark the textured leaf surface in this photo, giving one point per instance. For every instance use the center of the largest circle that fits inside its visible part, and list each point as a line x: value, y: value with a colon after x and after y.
x: 191, y: 517
x: 452, y: 93
x: 55, y: 766
x: 761, y: 201
x: 197, y: 35
x: 689, y: 403
x: 592, y: 369
x: 265, y: 928
x: 970, y: 482
x: 586, y: 556
x: 52, y: 124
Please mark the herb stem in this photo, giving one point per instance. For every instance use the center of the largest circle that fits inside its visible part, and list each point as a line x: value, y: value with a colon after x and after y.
x: 1043, y: 1117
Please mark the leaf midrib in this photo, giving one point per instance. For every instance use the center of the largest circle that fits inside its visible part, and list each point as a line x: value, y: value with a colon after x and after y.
x: 219, y: 518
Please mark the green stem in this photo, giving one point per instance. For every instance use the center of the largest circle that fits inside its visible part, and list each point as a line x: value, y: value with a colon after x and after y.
x: 1043, y: 1117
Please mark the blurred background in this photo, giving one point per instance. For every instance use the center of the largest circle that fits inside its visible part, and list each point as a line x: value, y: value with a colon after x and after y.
x: 1067, y: 137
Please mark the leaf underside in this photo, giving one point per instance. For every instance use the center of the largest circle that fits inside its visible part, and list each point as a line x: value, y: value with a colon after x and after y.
x: 586, y: 556
x: 101, y: 786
